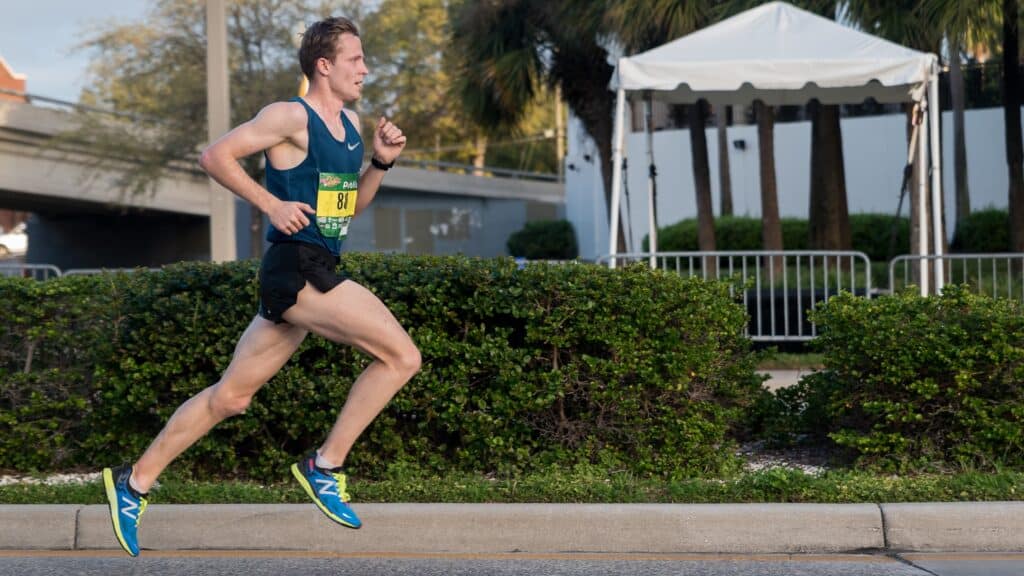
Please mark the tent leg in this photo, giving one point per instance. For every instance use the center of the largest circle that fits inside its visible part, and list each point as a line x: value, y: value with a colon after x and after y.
x: 922, y: 199
x: 652, y: 184
x: 937, y: 198
x: 617, y: 138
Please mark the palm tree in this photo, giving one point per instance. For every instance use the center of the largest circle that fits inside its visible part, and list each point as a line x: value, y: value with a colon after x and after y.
x: 965, y: 24
x: 508, y: 48
x: 1011, y: 118
x: 644, y: 24
x: 973, y: 19
x: 724, y: 178
x: 771, y: 224
x: 901, y: 21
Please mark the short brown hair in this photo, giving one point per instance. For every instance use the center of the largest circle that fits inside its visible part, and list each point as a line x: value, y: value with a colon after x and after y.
x: 321, y: 41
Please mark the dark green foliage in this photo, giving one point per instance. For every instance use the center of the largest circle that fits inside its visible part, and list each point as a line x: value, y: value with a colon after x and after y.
x: 916, y: 382
x: 983, y: 231
x: 544, y: 240
x: 871, y: 234
x: 51, y: 337
x: 523, y: 369
x: 731, y: 233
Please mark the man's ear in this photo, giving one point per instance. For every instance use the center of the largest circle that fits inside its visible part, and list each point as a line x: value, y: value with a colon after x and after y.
x: 323, y: 66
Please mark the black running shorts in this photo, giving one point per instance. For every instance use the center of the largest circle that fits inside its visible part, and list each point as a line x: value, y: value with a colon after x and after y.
x: 286, y: 268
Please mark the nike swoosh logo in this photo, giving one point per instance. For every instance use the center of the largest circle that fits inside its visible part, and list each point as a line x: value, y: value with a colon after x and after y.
x: 353, y: 146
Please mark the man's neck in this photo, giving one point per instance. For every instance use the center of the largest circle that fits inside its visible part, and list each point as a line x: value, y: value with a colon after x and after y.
x: 324, y: 102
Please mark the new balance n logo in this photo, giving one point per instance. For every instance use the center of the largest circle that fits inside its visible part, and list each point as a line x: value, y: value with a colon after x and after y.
x: 130, y: 508
x: 327, y: 487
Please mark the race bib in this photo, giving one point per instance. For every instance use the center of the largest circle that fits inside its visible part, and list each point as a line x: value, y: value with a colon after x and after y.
x: 336, y: 203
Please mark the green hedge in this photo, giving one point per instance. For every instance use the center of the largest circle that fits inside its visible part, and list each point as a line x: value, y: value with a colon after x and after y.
x: 523, y: 369
x: 916, y: 382
x: 983, y: 231
x: 544, y: 240
x: 871, y: 234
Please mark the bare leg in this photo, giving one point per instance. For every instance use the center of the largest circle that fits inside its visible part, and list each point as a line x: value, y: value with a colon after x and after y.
x: 262, y: 350
x: 351, y: 314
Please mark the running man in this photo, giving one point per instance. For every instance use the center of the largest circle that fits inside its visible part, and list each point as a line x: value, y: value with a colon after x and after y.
x: 313, y: 190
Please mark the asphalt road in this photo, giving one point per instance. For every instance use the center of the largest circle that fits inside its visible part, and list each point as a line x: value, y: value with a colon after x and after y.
x: 260, y: 563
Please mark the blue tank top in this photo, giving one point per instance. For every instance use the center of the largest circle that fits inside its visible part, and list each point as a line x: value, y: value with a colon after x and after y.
x: 327, y: 179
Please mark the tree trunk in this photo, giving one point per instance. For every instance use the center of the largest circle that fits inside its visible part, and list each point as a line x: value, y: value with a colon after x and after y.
x: 913, y: 197
x: 479, y: 155
x: 816, y: 201
x: 724, y: 178
x: 771, y: 226
x: 597, y: 115
x: 1011, y: 117
x: 829, y: 222
x: 696, y: 118
x: 956, y: 89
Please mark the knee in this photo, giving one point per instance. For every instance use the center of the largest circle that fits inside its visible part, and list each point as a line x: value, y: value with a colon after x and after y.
x: 408, y: 361
x: 224, y: 404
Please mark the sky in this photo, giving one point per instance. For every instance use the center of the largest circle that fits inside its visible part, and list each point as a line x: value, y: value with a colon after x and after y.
x: 38, y: 38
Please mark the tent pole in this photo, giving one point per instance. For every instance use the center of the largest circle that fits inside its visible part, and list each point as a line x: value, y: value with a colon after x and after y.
x: 937, y: 198
x: 652, y: 184
x: 922, y: 198
x: 617, y: 138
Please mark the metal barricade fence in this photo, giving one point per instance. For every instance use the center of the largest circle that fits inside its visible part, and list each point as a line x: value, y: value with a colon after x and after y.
x: 778, y: 287
x: 999, y: 275
x: 34, y: 271
x: 92, y: 271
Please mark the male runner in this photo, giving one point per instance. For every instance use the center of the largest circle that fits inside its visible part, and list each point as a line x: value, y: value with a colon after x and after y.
x: 313, y: 189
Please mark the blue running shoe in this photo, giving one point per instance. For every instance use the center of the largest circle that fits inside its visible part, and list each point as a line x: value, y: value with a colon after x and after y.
x: 327, y: 489
x: 126, y: 506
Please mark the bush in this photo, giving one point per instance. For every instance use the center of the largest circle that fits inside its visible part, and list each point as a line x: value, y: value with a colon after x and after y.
x: 52, y: 335
x: 544, y: 240
x: 731, y: 233
x: 523, y: 370
x: 871, y: 234
x: 983, y: 231
x: 916, y: 382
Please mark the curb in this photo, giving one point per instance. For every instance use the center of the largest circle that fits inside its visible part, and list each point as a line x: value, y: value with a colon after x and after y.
x: 537, y: 528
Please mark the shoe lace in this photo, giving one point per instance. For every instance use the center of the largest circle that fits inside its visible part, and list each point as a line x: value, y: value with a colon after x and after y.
x: 142, y: 508
x: 341, y: 480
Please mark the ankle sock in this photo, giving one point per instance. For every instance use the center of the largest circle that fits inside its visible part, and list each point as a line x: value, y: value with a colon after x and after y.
x: 135, y: 487
x: 325, y: 464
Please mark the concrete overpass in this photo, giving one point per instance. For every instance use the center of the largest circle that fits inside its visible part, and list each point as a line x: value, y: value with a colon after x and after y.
x: 84, y: 219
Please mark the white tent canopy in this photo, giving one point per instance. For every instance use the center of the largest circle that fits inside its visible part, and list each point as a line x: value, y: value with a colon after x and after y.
x: 780, y: 54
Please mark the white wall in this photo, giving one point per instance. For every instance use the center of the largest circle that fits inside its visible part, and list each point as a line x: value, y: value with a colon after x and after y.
x: 874, y: 150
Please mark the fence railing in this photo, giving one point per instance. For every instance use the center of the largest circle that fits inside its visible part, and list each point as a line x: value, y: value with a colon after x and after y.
x: 777, y: 287
x: 1000, y: 275
x: 35, y: 271
x: 48, y: 271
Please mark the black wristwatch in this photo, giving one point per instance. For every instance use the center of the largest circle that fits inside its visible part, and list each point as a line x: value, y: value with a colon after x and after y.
x: 380, y: 165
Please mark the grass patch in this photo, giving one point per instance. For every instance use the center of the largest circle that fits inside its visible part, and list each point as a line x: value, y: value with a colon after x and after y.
x: 579, y: 486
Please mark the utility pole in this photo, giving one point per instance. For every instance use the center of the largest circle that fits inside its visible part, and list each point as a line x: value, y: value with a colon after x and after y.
x: 222, y: 201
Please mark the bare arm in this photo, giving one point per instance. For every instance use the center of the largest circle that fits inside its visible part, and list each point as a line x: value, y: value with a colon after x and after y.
x: 273, y: 126
x: 388, y: 142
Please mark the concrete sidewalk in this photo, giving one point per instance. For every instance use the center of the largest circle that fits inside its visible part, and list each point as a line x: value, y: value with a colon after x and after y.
x: 536, y: 528
x: 784, y: 378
